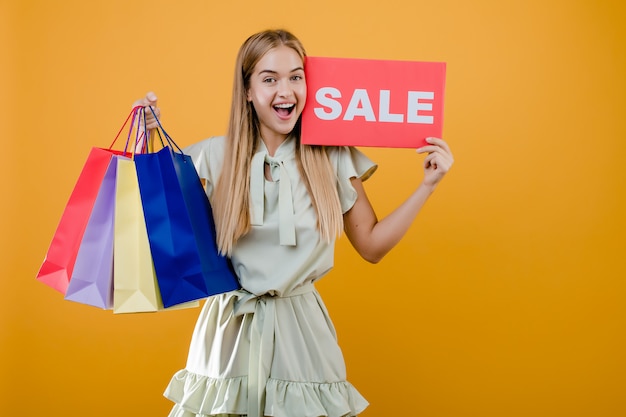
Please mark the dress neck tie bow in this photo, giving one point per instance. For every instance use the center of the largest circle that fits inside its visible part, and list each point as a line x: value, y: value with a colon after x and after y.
x: 279, y: 174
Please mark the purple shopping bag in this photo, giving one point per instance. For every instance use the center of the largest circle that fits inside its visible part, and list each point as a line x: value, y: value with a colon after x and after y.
x: 92, y: 279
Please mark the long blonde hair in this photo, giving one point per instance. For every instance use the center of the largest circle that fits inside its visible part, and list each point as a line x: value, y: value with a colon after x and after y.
x: 231, y: 200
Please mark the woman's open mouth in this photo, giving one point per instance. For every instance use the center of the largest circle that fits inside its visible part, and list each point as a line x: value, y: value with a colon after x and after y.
x: 284, y: 109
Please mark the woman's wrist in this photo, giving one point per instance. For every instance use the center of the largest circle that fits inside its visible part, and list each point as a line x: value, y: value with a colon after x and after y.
x: 427, y: 188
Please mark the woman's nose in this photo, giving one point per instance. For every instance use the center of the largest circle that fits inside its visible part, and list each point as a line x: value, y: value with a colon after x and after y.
x: 284, y: 88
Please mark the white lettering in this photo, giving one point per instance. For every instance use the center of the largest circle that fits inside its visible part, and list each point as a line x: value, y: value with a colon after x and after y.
x: 325, y: 96
x: 383, y: 109
x: 360, y: 105
x: 414, y: 107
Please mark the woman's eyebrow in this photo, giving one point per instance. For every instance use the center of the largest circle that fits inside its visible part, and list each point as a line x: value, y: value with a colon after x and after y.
x: 268, y: 71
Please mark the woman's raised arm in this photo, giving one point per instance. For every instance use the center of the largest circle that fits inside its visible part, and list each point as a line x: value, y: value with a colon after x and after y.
x: 372, y: 238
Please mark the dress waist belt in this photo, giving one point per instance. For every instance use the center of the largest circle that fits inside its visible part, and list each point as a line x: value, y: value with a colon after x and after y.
x: 263, y: 309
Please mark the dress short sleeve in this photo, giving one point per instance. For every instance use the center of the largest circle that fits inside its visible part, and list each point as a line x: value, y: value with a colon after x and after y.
x: 208, y: 157
x: 349, y: 163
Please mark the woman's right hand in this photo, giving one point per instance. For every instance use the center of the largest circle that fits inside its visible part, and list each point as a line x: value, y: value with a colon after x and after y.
x: 150, y: 100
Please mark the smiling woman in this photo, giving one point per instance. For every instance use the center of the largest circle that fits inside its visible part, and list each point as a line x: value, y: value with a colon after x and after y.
x: 270, y: 349
x: 506, y: 298
x: 277, y: 91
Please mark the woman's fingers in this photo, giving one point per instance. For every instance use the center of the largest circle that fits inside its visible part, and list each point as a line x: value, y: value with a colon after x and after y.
x: 434, y: 145
x: 437, y: 147
x: 438, y: 160
x: 439, y: 142
x: 151, y: 98
x: 149, y: 102
x: 430, y: 161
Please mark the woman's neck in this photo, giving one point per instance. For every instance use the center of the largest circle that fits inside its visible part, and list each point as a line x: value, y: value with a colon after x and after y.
x: 273, y: 142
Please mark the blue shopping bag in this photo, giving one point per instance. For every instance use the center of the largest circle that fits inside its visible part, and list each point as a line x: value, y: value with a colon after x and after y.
x: 180, y: 226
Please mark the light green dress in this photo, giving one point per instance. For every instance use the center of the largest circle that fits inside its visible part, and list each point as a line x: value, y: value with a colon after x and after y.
x: 270, y: 349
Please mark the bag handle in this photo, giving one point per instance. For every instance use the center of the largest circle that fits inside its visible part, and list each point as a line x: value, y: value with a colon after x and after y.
x: 136, y: 115
x: 160, y: 129
x: 134, y: 125
x: 133, y: 114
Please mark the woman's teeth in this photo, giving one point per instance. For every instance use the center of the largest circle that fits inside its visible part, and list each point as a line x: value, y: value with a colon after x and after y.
x: 284, y: 109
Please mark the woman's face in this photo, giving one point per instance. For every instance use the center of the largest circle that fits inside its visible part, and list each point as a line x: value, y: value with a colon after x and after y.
x: 278, y: 92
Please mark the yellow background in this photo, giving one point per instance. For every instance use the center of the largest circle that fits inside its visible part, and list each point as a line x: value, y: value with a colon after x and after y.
x: 505, y: 299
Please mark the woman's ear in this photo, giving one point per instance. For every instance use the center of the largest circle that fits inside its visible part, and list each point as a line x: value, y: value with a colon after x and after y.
x: 248, y: 95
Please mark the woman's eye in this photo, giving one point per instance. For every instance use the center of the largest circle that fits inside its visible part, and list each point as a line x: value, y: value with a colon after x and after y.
x: 297, y: 78
x: 269, y: 80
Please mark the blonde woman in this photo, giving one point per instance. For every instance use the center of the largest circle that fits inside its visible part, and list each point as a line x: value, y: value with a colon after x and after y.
x: 270, y: 349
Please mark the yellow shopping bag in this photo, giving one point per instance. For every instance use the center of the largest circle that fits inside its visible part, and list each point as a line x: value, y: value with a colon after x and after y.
x: 135, y: 287
x: 134, y: 282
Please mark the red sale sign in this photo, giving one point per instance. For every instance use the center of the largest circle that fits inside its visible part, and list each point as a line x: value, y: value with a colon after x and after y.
x: 359, y: 102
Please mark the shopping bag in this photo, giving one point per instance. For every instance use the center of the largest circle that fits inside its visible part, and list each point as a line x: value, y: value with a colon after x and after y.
x: 58, y: 264
x: 180, y: 227
x: 92, y: 278
x: 135, y: 288
x: 134, y: 283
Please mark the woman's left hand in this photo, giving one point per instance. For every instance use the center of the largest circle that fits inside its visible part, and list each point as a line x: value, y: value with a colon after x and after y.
x: 438, y: 161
